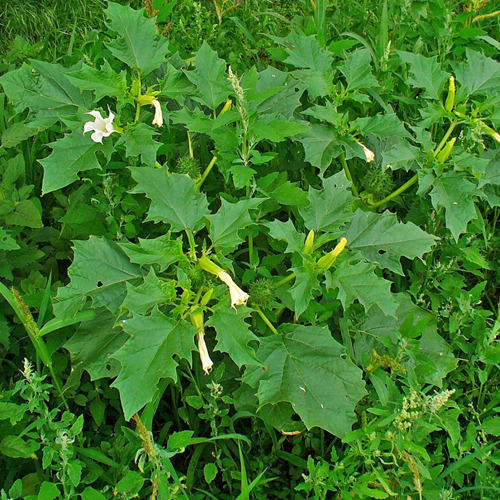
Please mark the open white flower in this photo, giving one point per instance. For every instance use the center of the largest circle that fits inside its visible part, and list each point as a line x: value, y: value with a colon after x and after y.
x: 158, y: 118
x: 102, y: 127
x: 206, y: 362
x: 238, y: 296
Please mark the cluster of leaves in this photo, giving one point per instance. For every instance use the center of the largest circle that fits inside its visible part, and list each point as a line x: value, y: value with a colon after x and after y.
x: 348, y: 354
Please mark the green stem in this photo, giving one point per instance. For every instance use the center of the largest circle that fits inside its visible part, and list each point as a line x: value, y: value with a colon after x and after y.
x: 205, y: 174
x: 266, y: 321
x: 190, y: 145
x: 398, y: 191
x: 138, y: 108
x: 348, y: 174
x: 285, y: 280
x: 192, y: 245
x: 445, y: 137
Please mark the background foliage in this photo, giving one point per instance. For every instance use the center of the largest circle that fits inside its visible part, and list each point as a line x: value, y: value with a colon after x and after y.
x: 370, y: 372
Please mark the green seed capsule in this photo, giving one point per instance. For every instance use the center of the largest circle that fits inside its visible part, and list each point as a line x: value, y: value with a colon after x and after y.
x: 308, y: 245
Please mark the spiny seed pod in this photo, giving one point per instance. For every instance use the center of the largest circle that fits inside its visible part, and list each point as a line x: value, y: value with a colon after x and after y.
x: 378, y: 182
x: 189, y: 166
x: 196, y: 276
x: 261, y: 293
x: 446, y: 151
x: 450, y: 99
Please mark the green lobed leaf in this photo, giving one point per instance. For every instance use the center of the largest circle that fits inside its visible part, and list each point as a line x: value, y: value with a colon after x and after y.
x: 138, y: 140
x: 137, y: 44
x: 150, y: 354
x: 161, y: 251
x: 209, y: 77
x: 103, y: 82
x: 330, y: 207
x: 455, y: 194
x: 99, y: 270
x: 306, y: 283
x: 277, y: 130
x: 480, y: 74
x: 173, y: 198
x: 93, y: 344
x: 357, y: 70
x: 380, y: 126
x: 286, y: 231
x: 229, y: 220
x: 382, y: 239
x: 358, y: 281
x: 305, y: 52
x: 234, y: 334
x: 425, y: 74
x: 72, y: 154
x: 306, y: 367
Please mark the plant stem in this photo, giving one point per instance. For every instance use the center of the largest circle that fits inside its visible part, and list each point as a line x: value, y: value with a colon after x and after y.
x: 348, y: 174
x: 266, y: 321
x: 285, y: 280
x: 138, y: 108
x: 445, y: 137
x: 192, y: 245
x: 205, y: 174
x: 190, y: 145
x: 398, y: 191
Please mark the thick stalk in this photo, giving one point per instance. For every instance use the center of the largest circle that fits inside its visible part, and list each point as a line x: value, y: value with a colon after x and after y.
x: 288, y: 278
x: 138, y: 108
x: 266, y: 321
x: 398, y: 191
x: 348, y: 174
x: 205, y: 174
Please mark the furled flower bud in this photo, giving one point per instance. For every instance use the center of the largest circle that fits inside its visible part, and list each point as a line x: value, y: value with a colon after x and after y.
x: 327, y: 260
x: 446, y: 151
x: 450, y: 98
x: 308, y: 245
x: 491, y: 132
x: 158, y: 118
x: 206, y: 363
x: 369, y: 154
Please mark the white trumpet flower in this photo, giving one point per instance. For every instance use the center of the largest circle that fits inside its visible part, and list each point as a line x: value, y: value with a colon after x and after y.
x: 158, y: 118
x: 238, y: 296
x: 206, y: 362
x: 101, y: 127
x: 369, y: 154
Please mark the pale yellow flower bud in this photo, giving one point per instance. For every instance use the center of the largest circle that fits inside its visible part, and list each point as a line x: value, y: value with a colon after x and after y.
x: 206, y: 363
x: 158, y: 118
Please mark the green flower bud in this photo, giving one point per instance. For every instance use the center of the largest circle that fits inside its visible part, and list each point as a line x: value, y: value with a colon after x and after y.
x: 446, y: 151
x: 325, y: 262
x: 450, y: 99
x: 308, y: 245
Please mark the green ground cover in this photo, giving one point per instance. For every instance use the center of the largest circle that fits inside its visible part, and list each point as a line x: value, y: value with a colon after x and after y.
x: 249, y: 249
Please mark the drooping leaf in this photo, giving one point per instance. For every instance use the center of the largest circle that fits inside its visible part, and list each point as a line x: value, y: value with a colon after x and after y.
x: 306, y: 367
x: 173, y: 198
x: 138, y: 140
x: 320, y: 142
x: 104, y: 82
x: 27, y: 213
x: 93, y: 344
x: 161, y: 251
x: 491, y: 173
x: 277, y: 130
x: 150, y: 354
x: 358, y: 281
x: 455, y: 194
x: 357, y: 70
x: 286, y: 231
x: 234, y: 335
x: 384, y: 240
x: 100, y: 270
x: 137, y: 44
x: 209, y: 77
x: 72, y: 154
x: 425, y: 74
x: 7, y: 242
x: 330, y: 206
x: 229, y: 220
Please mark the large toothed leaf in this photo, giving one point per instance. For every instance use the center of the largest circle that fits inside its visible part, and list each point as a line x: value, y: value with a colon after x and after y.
x: 99, y: 271
x: 209, y: 77
x: 285, y: 231
x: 384, y: 240
x: 72, y: 154
x: 425, y: 74
x: 359, y: 282
x: 307, y: 368
x: 357, y: 70
x: 173, y: 198
x: 137, y: 43
x: 229, y: 220
x: 234, y: 335
x: 149, y: 355
x: 479, y: 74
x: 330, y: 206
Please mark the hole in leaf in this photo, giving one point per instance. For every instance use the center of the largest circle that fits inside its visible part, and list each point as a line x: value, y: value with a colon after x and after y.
x: 99, y: 284
x: 381, y: 252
